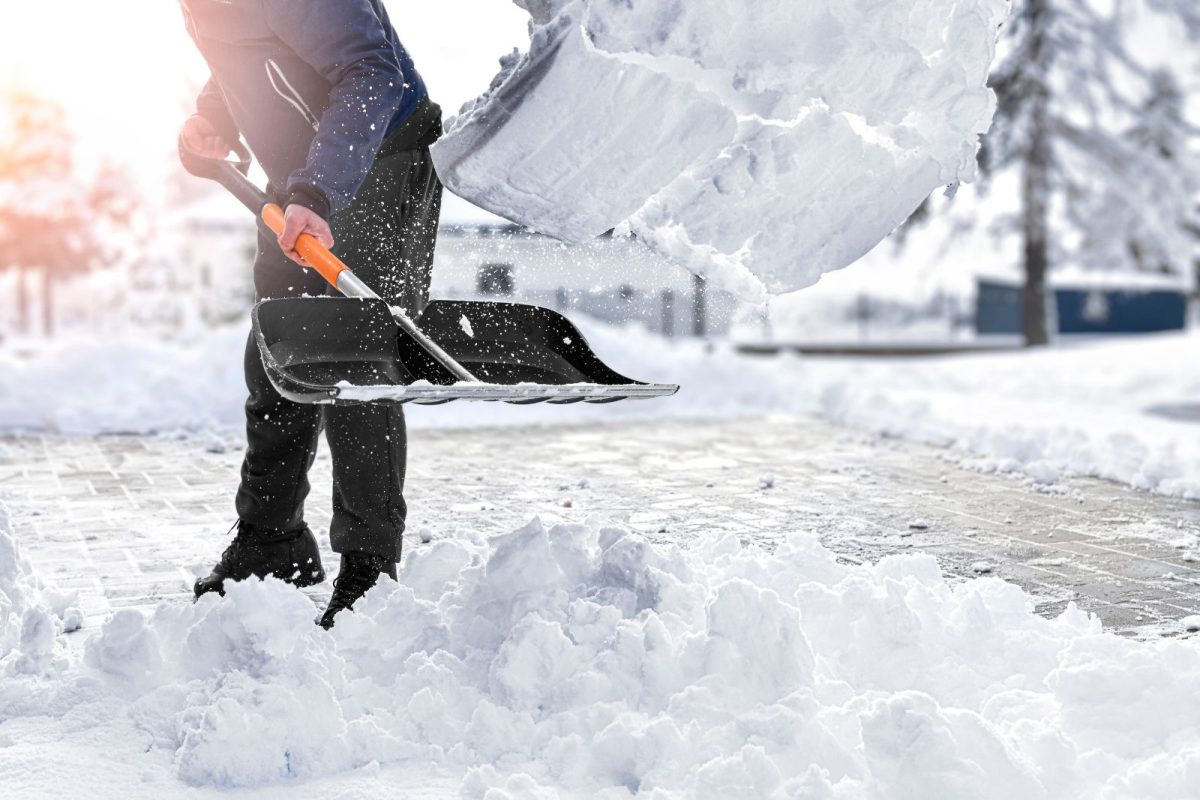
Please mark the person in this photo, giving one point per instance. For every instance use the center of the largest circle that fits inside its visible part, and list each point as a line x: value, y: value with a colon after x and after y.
x: 331, y: 105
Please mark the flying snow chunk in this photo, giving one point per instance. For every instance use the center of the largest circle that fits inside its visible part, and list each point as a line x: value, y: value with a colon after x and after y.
x: 759, y: 143
x: 551, y: 146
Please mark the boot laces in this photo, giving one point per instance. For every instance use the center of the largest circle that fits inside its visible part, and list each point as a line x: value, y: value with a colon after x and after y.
x: 230, y: 556
x: 246, y: 536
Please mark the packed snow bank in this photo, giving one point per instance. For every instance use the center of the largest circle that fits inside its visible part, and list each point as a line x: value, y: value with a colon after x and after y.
x: 584, y: 659
x: 129, y: 382
x: 760, y: 143
x: 1096, y: 408
x: 31, y: 615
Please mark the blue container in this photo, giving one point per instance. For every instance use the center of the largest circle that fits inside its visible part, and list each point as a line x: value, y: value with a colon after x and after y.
x: 1107, y: 310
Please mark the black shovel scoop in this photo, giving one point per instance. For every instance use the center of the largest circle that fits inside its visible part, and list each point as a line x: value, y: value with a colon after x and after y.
x: 357, y: 349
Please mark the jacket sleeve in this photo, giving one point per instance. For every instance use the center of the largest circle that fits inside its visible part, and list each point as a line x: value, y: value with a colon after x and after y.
x: 210, y: 104
x: 346, y: 43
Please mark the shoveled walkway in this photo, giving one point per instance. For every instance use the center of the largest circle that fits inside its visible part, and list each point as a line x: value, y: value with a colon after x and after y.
x: 128, y: 520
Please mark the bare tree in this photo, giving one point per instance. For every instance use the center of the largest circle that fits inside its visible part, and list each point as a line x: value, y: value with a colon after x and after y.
x: 51, y: 221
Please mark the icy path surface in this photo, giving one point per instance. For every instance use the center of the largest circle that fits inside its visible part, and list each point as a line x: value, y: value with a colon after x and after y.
x: 579, y: 660
x: 759, y: 142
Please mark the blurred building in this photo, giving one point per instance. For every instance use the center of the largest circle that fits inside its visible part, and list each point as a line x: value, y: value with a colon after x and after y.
x: 615, y: 279
x: 481, y: 256
x: 216, y: 239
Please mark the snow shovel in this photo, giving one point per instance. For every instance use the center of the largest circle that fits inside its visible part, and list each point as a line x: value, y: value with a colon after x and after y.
x: 357, y: 349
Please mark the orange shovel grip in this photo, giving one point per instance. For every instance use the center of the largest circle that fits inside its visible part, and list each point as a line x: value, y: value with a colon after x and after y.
x: 315, y: 253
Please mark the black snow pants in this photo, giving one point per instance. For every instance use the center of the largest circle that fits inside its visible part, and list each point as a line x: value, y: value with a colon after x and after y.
x: 387, y: 237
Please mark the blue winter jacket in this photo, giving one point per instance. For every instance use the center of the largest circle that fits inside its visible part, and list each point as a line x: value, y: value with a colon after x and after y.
x: 313, y: 86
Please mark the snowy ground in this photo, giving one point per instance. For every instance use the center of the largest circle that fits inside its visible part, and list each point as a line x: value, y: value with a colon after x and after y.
x: 1125, y: 410
x: 674, y: 628
x: 619, y: 647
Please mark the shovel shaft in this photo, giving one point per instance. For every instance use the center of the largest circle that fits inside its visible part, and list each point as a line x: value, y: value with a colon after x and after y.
x: 350, y: 286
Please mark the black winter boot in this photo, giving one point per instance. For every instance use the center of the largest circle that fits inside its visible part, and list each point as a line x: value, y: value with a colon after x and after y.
x: 359, y: 572
x: 291, y: 556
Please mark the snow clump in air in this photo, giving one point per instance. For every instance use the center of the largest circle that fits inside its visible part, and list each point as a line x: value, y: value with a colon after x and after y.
x: 760, y: 143
x: 585, y: 660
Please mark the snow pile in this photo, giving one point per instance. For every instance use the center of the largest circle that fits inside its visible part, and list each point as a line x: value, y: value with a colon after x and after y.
x: 31, y: 615
x: 128, y: 382
x: 1097, y: 408
x: 760, y: 143
x: 584, y: 659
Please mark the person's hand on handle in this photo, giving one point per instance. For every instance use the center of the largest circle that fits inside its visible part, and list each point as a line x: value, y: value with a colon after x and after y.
x: 201, y: 137
x: 298, y: 220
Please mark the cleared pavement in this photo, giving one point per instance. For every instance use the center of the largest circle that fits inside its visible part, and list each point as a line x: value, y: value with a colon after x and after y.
x: 128, y: 520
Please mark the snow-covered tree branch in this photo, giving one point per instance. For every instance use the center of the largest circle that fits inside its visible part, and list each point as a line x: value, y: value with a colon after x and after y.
x: 1101, y: 142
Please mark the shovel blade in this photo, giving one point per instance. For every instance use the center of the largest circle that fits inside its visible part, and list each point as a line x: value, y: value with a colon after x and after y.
x: 336, y: 350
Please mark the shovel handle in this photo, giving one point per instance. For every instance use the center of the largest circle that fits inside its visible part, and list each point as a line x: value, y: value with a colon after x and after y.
x: 316, y: 254
x: 345, y: 281
x: 232, y: 175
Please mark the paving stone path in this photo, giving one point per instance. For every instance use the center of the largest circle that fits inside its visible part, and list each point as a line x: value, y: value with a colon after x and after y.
x: 128, y: 520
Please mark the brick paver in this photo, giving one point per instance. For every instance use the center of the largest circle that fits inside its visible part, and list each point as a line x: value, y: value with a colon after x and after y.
x: 128, y: 521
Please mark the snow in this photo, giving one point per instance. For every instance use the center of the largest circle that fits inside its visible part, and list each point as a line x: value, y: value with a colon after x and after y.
x: 581, y: 660
x: 584, y: 661
x: 1091, y: 407
x: 762, y: 149
x: 125, y: 381
x: 31, y: 614
x: 458, y: 213
x: 1082, y: 408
